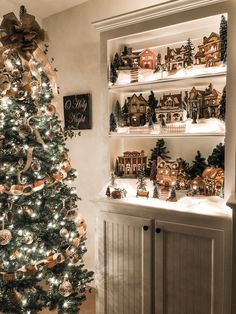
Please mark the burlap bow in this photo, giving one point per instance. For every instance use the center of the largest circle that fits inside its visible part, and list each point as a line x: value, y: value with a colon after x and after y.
x: 24, y: 34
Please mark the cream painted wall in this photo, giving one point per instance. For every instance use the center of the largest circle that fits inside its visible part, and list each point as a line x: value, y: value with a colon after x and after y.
x: 74, y: 43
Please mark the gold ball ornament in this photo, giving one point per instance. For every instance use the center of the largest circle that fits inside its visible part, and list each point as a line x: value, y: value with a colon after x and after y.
x: 17, y: 114
x: 27, y: 239
x: 64, y: 232
x: 5, y: 237
x: 24, y: 130
x: 50, y: 110
x: 35, y: 166
x: 65, y: 288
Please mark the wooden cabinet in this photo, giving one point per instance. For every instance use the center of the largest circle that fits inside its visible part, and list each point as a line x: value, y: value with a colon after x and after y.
x: 188, y: 269
x: 126, y: 264
x: 155, y: 266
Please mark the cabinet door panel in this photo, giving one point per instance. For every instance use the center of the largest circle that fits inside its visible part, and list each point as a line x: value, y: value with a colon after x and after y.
x: 126, y: 258
x: 189, y: 269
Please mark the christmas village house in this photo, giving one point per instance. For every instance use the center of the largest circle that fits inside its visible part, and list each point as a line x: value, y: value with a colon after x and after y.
x: 175, y: 58
x: 203, y: 103
x: 167, y: 172
x: 209, y: 51
x: 137, y: 106
x: 147, y: 59
x: 210, y: 183
x: 131, y: 163
x: 170, y: 109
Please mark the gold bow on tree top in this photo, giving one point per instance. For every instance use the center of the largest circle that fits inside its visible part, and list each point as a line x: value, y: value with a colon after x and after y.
x: 24, y: 34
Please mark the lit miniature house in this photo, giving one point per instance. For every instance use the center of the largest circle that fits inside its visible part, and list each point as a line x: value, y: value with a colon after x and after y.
x: 137, y: 110
x: 167, y: 172
x: 175, y: 58
x: 170, y: 109
x: 204, y: 102
x: 131, y: 163
x: 214, y: 180
x: 209, y: 51
x: 148, y: 59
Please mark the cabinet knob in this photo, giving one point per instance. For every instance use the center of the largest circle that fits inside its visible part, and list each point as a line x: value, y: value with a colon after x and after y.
x: 145, y: 228
x: 158, y: 230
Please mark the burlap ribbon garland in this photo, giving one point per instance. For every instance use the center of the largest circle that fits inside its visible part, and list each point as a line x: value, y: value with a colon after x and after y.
x: 52, y: 260
x: 29, y: 189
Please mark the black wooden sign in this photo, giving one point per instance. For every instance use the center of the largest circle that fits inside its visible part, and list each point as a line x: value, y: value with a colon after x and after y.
x: 77, y: 112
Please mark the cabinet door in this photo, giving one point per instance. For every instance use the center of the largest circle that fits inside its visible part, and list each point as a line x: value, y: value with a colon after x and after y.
x: 188, y: 269
x: 124, y: 265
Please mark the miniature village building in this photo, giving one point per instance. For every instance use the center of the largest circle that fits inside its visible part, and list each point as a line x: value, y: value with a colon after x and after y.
x: 137, y: 110
x: 170, y: 109
x: 203, y: 103
x: 175, y: 58
x: 209, y: 51
x: 129, y: 59
x: 147, y: 59
x: 167, y: 172
x: 131, y: 163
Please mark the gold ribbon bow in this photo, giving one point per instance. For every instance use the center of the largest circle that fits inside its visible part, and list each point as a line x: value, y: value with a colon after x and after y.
x: 24, y: 34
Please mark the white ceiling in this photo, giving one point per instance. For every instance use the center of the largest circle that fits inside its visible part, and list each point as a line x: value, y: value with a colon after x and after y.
x: 40, y: 8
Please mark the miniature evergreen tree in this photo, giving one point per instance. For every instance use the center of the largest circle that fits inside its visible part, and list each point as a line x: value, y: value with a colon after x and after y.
x: 108, y: 192
x: 189, y: 48
x: 116, y: 61
x: 116, y: 172
x: 113, y: 74
x: 153, y: 172
x: 117, y: 112
x: 125, y: 113
x: 141, y: 183
x: 113, y: 125
x: 222, y: 106
x: 156, y: 193
x: 216, y: 159
x: 43, y: 234
x: 152, y: 103
x: 199, y: 164
x: 223, y: 38
x: 160, y: 150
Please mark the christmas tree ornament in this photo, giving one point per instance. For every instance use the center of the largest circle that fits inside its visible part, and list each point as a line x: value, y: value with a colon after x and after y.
x: 17, y: 114
x: 50, y: 110
x: 35, y: 166
x: 5, y: 236
x: 64, y: 233
x: 65, y: 288
x: 27, y: 239
x: 24, y: 130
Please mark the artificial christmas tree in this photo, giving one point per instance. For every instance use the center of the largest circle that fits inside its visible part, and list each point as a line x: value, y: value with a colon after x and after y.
x: 217, y: 158
x: 43, y: 233
x: 160, y: 150
x: 222, y: 106
x: 113, y: 124
x: 199, y: 164
x: 223, y: 38
x: 189, y: 48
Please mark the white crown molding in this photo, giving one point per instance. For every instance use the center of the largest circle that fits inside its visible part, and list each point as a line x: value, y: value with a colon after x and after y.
x: 165, y: 8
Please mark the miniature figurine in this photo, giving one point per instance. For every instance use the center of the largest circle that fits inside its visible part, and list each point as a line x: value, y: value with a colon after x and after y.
x: 172, y: 195
x: 108, y: 192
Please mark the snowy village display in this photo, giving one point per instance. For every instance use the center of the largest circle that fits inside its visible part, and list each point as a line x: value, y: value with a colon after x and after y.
x: 173, y: 112
x: 131, y: 66
x: 201, y: 177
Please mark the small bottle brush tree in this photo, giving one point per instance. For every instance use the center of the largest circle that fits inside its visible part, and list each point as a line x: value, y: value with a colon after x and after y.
x: 156, y: 193
x: 113, y: 124
x: 43, y: 234
x: 141, y: 183
x: 217, y: 158
x: 117, y: 112
x: 222, y: 106
x: 189, y: 58
x: 152, y: 103
x: 198, y: 166
x: 223, y: 38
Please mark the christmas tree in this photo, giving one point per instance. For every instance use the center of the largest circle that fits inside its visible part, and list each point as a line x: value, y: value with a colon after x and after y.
x: 113, y: 125
x: 42, y: 233
x: 116, y: 61
x: 117, y: 112
x: 113, y: 74
x: 223, y: 38
x: 160, y: 150
x: 222, y: 105
x: 199, y: 164
x: 156, y: 193
x: 152, y: 103
x: 189, y: 48
x: 217, y: 158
